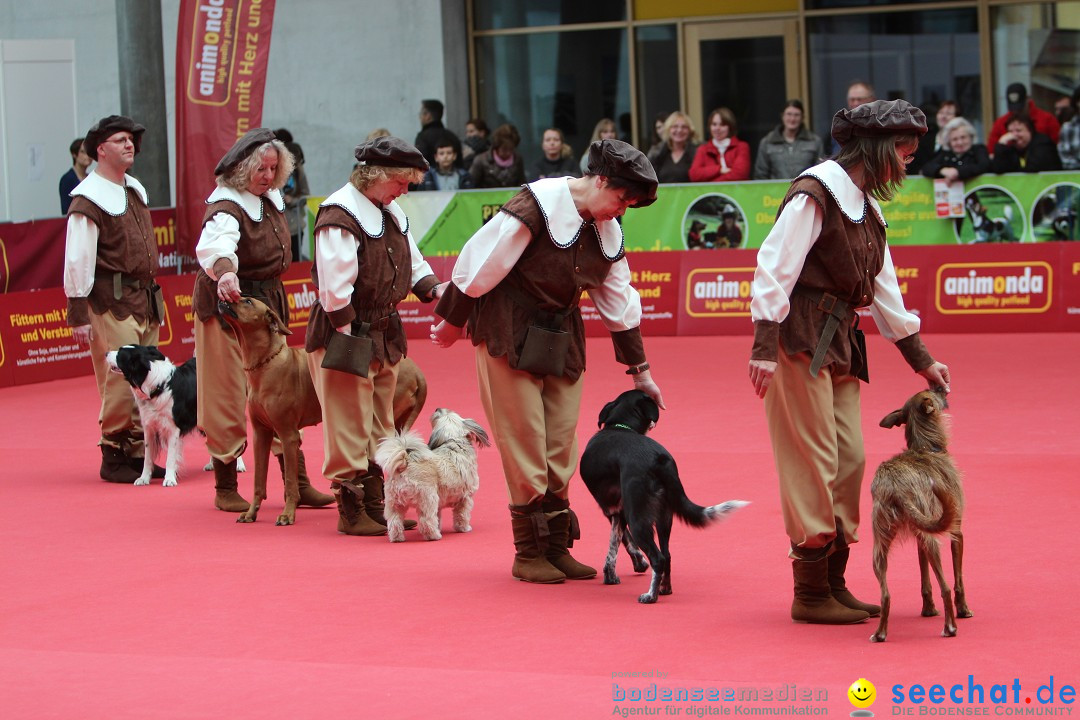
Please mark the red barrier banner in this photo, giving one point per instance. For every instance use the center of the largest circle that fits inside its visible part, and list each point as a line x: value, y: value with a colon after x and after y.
x: 656, y: 277
x: 991, y: 288
x: 1070, y: 286
x: 222, y: 48
x: 32, y: 253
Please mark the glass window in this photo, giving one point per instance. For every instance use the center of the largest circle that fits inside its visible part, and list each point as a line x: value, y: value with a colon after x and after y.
x: 502, y: 14
x: 923, y: 57
x: 658, y: 79
x: 1037, y: 45
x: 568, y: 80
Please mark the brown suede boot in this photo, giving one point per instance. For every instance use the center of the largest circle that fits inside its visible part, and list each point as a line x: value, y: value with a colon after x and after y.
x: 134, y: 448
x: 309, y: 496
x: 115, y: 467
x: 813, y: 602
x: 563, y: 526
x: 352, y: 517
x: 531, y: 536
x: 838, y: 587
x: 375, y: 499
x: 225, y: 495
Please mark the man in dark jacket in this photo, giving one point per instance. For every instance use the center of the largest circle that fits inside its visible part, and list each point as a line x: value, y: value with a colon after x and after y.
x: 432, y: 131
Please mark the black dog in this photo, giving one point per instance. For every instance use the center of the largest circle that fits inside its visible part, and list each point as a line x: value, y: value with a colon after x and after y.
x: 636, y: 483
x: 166, y: 398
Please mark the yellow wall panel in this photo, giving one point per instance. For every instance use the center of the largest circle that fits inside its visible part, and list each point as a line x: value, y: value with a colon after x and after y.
x: 661, y: 9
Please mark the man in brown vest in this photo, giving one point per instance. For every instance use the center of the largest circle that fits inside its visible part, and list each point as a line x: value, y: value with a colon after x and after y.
x: 110, y: 262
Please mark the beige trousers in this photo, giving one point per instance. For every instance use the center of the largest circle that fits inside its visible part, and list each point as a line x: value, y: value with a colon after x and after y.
x: 533, y: 421
x: 357, y: 412
x: 119, y: 413
x: 816, y: 432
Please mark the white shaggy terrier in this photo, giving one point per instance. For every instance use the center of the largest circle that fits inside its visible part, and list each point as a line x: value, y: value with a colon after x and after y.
x: 432, y: 476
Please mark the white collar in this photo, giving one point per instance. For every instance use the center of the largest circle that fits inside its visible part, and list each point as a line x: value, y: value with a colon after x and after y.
x: 563, y: 222
x: 366, y: 213
x: 849, y: 198
x: 252, y: 204
x: 106, y: 194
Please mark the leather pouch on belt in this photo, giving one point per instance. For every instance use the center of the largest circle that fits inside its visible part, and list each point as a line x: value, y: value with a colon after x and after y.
x: 544, y: 351
x: 157, y: 303
x: 349, y: 353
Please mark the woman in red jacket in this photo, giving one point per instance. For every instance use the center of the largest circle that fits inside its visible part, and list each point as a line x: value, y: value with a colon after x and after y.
x: 726, y: 158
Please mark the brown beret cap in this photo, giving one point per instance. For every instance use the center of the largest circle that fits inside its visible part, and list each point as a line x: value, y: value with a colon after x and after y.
x: 106, y: 127
x: 390, y: 151
x: 616, y: 159
x: 242, y: 148
x: 880, y: 117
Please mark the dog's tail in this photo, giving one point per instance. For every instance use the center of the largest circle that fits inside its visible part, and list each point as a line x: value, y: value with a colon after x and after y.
x: 393, y: 452
x: 926, y: 519
x: 690, y: 512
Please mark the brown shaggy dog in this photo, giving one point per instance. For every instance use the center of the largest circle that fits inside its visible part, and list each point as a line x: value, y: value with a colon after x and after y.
x: 919, y: 492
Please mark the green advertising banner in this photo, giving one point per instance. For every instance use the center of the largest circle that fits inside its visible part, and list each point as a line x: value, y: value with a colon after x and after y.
x: 992, y: 208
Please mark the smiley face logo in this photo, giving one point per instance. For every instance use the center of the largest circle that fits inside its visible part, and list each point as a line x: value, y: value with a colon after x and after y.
x: 862, y: 693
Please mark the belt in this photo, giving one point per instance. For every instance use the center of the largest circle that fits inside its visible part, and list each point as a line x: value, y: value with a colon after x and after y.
x: 258, y: 287
x: 119, y: 280
x: 361, y: 328
x: 838, y: 312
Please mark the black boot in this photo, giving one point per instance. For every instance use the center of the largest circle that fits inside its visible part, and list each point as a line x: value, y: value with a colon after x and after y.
x: 352, y: 517
x: 115, y: 467
x: 813, y: 601
x: 563, y: 526
x: 309, y: 496
x: 225, y: 495
x: 838, y: 587
x: 531, y: 542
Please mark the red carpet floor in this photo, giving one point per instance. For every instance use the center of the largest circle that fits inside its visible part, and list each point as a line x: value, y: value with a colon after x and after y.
x: 126, y: 602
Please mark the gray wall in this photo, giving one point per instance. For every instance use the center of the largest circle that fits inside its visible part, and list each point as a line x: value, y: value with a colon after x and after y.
x: 338, y: 68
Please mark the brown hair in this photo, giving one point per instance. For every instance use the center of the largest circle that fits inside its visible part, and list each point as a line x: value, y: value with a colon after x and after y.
x: 883, y: 171
x: 726, y: 118
x: 505, y: 136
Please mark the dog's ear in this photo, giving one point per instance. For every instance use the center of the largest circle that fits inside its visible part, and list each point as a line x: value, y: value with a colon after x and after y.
x: 477, y: 433
x: 276, y: 324
x: 604, y: 413
x: 893, y: 419
x: 649, y: 409
x: 154, y: 353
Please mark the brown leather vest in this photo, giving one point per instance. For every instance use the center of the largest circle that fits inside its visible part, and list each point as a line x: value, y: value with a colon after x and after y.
x: 383, y: 280
x: 264, y: 253
x: 126, y: 245
x: 844, y: 261
x: 554, y: 278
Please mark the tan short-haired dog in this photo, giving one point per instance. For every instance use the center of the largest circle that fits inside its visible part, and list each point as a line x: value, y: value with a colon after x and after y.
x: 281, y: 395
x: 919, y: 492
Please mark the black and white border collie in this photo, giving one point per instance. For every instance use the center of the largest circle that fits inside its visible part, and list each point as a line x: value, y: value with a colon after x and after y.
x: 166, y: 398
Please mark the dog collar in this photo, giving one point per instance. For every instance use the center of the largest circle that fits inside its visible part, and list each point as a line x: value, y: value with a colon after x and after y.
x: 266, y: 359
x: 624, y: 427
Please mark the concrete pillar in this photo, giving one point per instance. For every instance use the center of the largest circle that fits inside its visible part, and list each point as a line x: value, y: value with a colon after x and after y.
x: 142, y: 91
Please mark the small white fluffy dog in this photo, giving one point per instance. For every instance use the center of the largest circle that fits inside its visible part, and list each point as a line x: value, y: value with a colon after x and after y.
x: 432, y: 476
